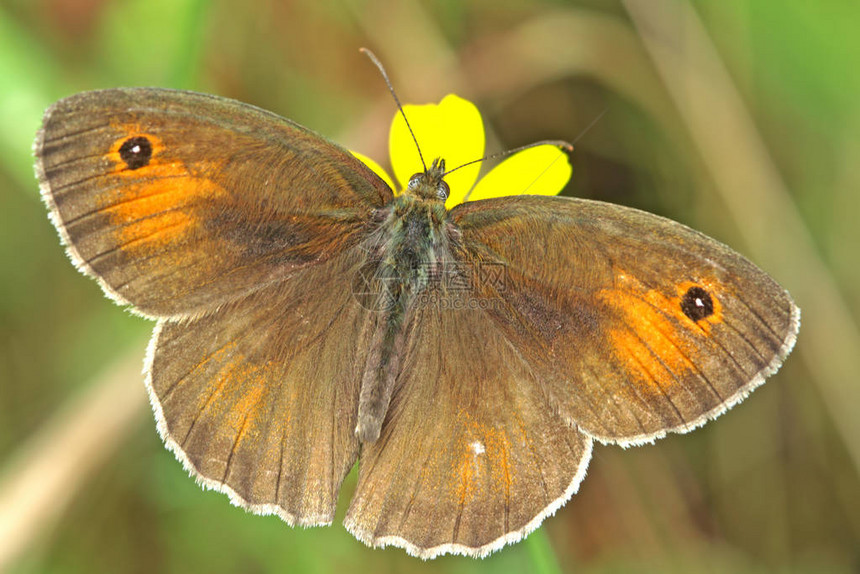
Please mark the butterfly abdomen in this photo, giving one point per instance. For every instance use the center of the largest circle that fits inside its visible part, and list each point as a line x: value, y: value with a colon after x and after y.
x: 411, y: 248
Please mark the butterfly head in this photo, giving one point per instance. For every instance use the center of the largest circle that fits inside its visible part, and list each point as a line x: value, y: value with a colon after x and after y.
x: 430, y: 184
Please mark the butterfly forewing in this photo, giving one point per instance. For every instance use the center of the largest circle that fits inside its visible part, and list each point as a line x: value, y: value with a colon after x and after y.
x: 178, y: 202
x: 635, y: 325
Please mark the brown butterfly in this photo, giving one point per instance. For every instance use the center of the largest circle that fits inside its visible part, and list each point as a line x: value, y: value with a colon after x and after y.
x: 308, y: 317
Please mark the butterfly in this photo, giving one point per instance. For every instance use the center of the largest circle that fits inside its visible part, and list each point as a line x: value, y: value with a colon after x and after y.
x: 308, y: 317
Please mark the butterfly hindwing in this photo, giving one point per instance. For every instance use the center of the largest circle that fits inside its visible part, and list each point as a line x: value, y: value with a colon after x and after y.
x: 471, y: 455
x: 258, y: 399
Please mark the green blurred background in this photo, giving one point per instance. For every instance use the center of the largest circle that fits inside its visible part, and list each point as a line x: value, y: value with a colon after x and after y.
x: 740, y: 118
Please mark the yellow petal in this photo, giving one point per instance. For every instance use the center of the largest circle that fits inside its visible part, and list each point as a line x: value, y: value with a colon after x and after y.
x: 541, y: 170
x: 452, y: 130
x: 375, y: 167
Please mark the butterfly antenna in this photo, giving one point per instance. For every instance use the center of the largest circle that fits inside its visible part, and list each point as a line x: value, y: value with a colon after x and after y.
x: 382, y: 71
x: 559, y: 143
x: 591, y: 125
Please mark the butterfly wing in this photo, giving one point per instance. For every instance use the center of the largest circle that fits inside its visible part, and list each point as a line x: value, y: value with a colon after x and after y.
x: 569, y: 320
x: 178, y: 202
x: 258, y: 399
x: 471, y: 456
x: 635, y: 325
x: 239, y: 230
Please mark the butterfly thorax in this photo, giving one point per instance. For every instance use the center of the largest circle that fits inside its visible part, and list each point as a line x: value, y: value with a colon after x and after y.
x: 409, y: 255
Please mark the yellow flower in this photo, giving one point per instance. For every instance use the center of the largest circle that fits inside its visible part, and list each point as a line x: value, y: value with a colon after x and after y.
x: 453, y: 130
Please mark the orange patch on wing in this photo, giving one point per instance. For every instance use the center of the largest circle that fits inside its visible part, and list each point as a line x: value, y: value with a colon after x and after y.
x: 648, y: 337
x: 237, y: 400
x: 225, y: 363
x: 481, y: 458
x: 246, y: 415
x: 155, y: 207
x: 238, y: 393
x: 155, y: 212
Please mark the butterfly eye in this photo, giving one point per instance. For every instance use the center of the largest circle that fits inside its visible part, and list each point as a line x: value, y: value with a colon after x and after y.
x: 442, y: 190
x: 414, y: 182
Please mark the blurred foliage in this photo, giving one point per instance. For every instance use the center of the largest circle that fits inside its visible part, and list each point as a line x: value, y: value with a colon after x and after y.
x: 770, y: 486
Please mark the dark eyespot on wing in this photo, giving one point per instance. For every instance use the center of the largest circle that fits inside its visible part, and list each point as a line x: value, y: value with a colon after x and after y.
x: 697, y: 303
x: 136, y: 152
